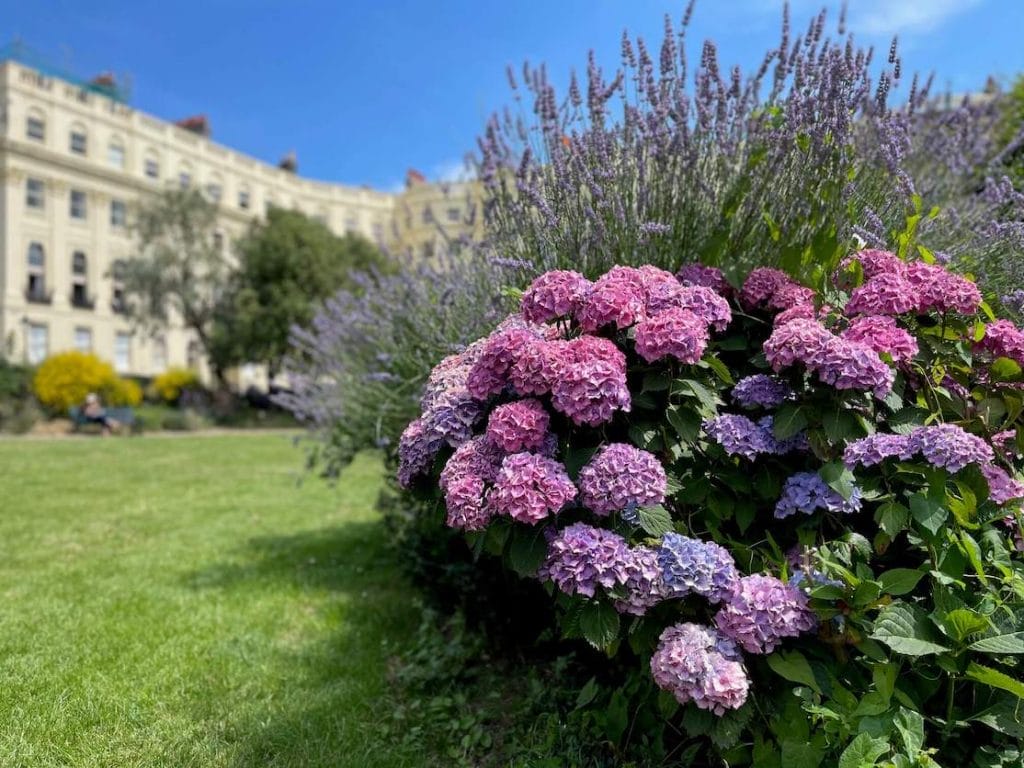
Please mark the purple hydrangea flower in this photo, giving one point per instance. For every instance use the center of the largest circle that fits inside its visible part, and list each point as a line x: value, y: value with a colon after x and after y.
x: 709, y: 306
x: 882, y: 335
x: 709, y: 277
x: 806, y: 492
x: 696, y: 663
x: 591, y: 381
x: 533, y: 369
x: 480, y: 457
x: 417, y: 448
x: 582, y: 558
x: 874, y: 449
x: 644, y: 585
x: 691, y: 565
x: 619, y: 476
x: 875, y: 262
x: 675, y: 332
x: 465, y: 501
x: 1003, y: 339
x: 761, y: 611
x: 1002, y: 488
x: 519, y: 426
x: 949, y: 447
x: 760, y: 285
x: 554, y: 294
x: 761, y: 390
x: 741, y: 436
x: 884, y: 294
x: 617, y: 298
x: 530, y: 487
x: 937, y: 289
x: 489, y: 373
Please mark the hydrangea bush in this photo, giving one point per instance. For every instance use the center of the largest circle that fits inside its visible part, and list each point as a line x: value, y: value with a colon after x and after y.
x: 798, y: 510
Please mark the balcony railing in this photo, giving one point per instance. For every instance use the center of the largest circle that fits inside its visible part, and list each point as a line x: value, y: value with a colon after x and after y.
x: 118, y: 306
x: 38, y: 296
x: 79, y: 301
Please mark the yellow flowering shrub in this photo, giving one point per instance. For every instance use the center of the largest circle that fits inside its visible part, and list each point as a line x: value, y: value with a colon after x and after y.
x: 169, y: 385
x: 63, y: 380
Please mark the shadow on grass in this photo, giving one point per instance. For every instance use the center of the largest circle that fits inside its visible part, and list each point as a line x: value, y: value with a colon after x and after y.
x: 329, y: 694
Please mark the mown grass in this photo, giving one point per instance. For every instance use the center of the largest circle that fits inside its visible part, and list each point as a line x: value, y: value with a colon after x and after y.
x: 184, y: 602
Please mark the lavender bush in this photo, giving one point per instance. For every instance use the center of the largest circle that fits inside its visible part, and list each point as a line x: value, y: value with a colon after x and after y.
x: 798, y: 512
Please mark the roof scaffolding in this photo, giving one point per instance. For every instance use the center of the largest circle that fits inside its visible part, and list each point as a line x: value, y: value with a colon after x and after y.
x: 104, y: 84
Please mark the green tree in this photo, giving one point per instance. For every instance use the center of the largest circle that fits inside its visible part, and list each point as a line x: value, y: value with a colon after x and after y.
x: 287, y: 264
x: 180, y: 269
x: 1011, y: 129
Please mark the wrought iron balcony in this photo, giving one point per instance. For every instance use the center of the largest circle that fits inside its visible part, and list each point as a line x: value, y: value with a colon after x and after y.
x: 38, y: 296
x: 83, y: 301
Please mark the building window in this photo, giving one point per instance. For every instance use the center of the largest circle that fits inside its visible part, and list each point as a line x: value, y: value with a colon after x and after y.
x: 79, y: 143
x: 83, y: 339
x: 427, y: 216
x: 351, y: 225
x: 35, y: 128
x: 152, y: 168
x: 115, y: 155
x: 159, y: 353
x: 454, y: 215
x: 35, y: 194
x: 192, y: 354
x: 378, y: 233
x: 118, y: 213
x: 38, y: 343
x: 243, y: 199
x: 80, y: 281
x: 218, y: 242
x: 213, y: 191
x: 78, y: 204
x: 117, y: 301
x: 185, y: 179
x: 122, y: 351
x: 35, y: 287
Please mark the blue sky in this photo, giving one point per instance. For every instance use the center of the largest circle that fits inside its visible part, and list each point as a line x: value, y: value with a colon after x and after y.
x: 363, y: 91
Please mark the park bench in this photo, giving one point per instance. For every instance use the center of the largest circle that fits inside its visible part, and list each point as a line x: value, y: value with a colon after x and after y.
x: 125, y: 418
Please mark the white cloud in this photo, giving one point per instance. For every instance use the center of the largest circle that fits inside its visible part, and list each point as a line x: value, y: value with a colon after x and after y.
x: 903, y: 17
x: 452, y: 171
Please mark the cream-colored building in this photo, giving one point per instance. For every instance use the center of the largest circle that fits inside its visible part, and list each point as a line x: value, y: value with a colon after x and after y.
x: 74, y: 158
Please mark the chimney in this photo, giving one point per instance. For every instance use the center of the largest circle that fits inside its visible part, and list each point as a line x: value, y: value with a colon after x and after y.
x: 196, y: 124
x: 289, y: 162
x: 414, y: 178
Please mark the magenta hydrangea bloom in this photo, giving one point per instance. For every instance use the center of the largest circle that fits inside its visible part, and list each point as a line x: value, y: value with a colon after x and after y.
x: 806, y: 492
x: 949, y: 447
x: 489, y: 373
x: 798, y: 341
x: 617, y: 298
x: 791, y: 295
x: 937, y: 289
x: 761, y: 390
x: 620, y: 476
x: 1002, y: 488
x: 796, y: 312
x: 676, y: 333
x: 519, y: 426
x: 709, y: 277
x: 417, y: 448
x: 852, y: 365
x: 760, y: 285
x: 533, y: 369
x: 480, y: 457
x: 465, y: 502
x: 582, y: 558
x: 644, y: 586
x: 694, y: 566
x: 874, y: 262
x: 761, y: 611
x: 884, y: 294
x: 710, y: 307
x: 558, y: 293
x: 590, y: 384
x: 1006, y: 442
x: 1003, y: 339
x: 882, y: 334
x: 531, y: 487
x: 696, y: 663
x: 874, y: 449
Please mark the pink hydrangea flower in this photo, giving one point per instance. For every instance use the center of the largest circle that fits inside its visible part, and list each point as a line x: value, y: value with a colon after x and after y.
x: 554, y: 294
x: 760, y: 285
x: 533, y: 366
x: 791, y: 295
x: 882, y: 334
x: 796, y: 312
x: 884, y: 294
x: 938, y: 289
x: 874, y: 262
x: 644, y: 585
x: 480, y: 457
x: 591, y: 381
x: 617, y: 298
x: 711, y: 308
x: 530, y: 488
x: 709, y: 277
x: 674, y: 333
x: 620, y: 476
x: 696, y: 663
x: 489, y: 373
x: 465, y: 502
x: 761, y: 611
x: 1003, y: 339
x: 798, y: 341
x: 1002, y: 488
x: 519, y: 426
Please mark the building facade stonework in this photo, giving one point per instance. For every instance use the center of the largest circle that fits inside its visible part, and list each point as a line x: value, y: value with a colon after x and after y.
x: 74, y: 162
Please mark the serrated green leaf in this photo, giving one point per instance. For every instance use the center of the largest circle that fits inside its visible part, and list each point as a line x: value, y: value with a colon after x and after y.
x: 793, y: 666
x: 599, y: 624
x: 900, y: 581
x: 1005, y: 369
x: 788, y: 421
x: 961, y: 623
x: 684, y: 421
x: 840, y: 426
x: 655, y: 520
x: 863, y: 752
x: 905, y: 628
x: 928, y: 513
x: 1005, y: 716
x: 587, y: 693
x: 995, y: 679
x: 720, y: 368
x: 910, y: 726
x: 527, y: 551
x: 1012, y: 642
x: 801, y: 754
x: 892, y: 517
x: 838, y: 478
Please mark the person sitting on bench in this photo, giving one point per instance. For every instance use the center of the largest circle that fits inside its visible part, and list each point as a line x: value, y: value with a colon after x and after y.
x: 95, y: 413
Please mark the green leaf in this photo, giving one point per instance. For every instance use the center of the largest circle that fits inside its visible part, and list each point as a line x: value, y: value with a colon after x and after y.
x: 905, y: 628
x: 655, y: 381
x: 907, y: 419
x: 995, y: 679
x: 910, y: 725
x: 961, y: 623
x: 1003, y: 716
x: 838, y: 478
x: 1005, y: 369
x: 684, y: 421
x: 527, y: 551
x: 863, y: 752
x: 900, y: 581
x: 655, y: 520
x: 892, y: 517
x: 1008, y: 643
x: 587, y: 693
x: 793, y: 666
x: 928, y: 513
x: 840, y: 425
x: 720, y: 368
x: 789, y: 420
x: 801, y: 754
x: 599, y: 623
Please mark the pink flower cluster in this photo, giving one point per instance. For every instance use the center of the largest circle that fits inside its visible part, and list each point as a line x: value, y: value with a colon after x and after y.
x: 708, y: 277
x: 555, y: 294
x: 620, y: 476
x: 590, y: 380
x: 519, y: 426
x: 761, y: 611
x: 531, y: 487
x: 883, y: 335
x: 676, y: 333
x: 696, y: 663
x: 894, y: 287
x: 1003, y: 339
x: 837, y: 361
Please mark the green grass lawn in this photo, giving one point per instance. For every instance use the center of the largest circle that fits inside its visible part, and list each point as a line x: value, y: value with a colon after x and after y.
x: 183, y: 602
